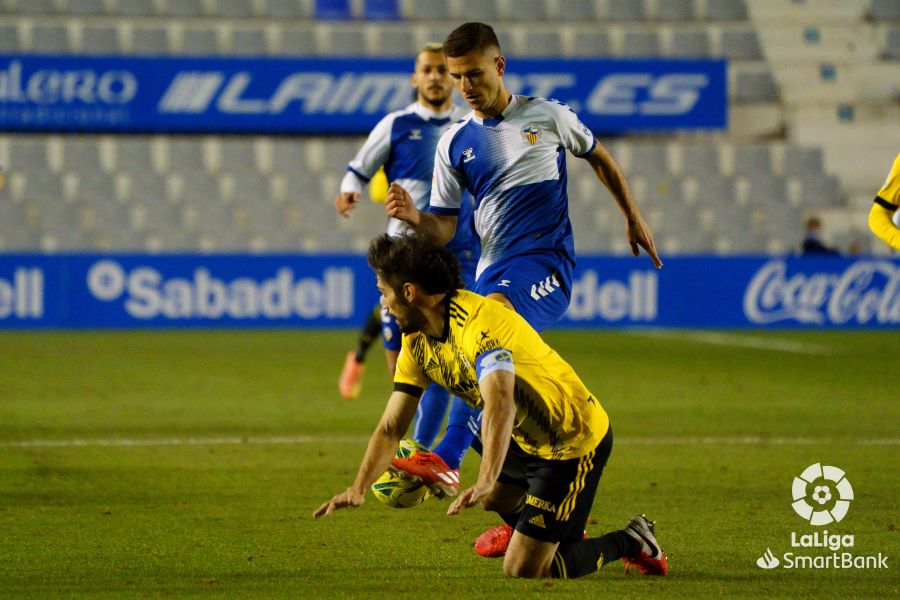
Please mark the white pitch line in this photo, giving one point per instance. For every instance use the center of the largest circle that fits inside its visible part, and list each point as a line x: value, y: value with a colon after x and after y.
x: 318, y: 439
x: 739, y: 341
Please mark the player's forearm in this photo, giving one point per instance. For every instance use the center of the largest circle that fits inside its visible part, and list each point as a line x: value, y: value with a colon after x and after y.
x: 611, y: 175
x: 882, y: 225
x: 431, y: 225
x: 379, y: 453
x: 496, y: 427
x: 398, y: 415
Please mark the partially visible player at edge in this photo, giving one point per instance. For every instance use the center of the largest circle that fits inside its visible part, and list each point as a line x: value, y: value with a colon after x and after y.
x: 509, y: 153
x: 546, y: 438
x: 886, y: 204
x: 403, y: 142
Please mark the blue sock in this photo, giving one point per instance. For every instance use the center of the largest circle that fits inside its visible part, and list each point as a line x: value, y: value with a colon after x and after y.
x: 461, y: 425
x: 430, y: 414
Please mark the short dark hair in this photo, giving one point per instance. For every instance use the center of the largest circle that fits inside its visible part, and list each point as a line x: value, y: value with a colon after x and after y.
x: 413, y: 259
x: 468, y: 37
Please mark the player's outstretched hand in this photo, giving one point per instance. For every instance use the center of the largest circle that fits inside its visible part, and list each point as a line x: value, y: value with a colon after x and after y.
x: 399, y: 204
x: 467, y: 498
x: 345, y: 202
x: 348, y: 498
x: 639, y: 236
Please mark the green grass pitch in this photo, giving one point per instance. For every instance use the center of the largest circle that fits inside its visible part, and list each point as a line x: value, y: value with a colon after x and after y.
x: 710, y: 432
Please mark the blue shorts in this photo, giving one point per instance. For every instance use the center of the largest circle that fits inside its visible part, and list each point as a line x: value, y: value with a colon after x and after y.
x: 390, y: 332
x: 539, y: 285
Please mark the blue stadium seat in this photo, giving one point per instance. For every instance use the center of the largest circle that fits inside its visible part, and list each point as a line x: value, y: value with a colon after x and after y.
x: 381, y: 10
x: 333, y: 10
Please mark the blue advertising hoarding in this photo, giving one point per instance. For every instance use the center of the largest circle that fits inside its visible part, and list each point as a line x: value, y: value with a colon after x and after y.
x: 329, y: 95
x: 273, y: 291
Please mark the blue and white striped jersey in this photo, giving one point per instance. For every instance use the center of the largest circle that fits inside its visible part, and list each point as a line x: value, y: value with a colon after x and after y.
x: 404, y: 142
x: 515, y: 167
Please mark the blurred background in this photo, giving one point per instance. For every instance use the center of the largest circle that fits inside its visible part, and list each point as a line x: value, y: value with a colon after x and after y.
x: 812, y: 123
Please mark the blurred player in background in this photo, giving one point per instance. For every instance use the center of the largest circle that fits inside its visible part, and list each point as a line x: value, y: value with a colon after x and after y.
x: 881, y: 217
x: 509, y: 153
x: 812, y: 239
x: 403, y: 143
x: 546, y: 438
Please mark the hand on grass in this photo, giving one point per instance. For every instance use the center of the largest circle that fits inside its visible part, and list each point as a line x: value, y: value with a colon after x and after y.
x: 343, y: 500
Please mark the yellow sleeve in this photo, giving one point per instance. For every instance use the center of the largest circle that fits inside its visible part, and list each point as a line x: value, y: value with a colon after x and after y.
x: 881, y: 225
x: 890, y: 191
x: 886, y: 203
x: 408, y: 372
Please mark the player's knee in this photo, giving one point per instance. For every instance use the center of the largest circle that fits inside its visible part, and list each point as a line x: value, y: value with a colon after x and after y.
x: 523, y: 568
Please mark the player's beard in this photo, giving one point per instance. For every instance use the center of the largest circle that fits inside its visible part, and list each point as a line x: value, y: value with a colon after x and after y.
x: 412, y: 320
x: 436, y: 102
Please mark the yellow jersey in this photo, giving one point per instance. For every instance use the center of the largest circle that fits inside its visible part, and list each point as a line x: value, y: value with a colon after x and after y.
x: 557, y: 417
x: 886, y: 203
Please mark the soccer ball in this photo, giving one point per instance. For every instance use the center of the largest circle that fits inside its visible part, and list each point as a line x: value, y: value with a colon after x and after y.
x: 399, y: 490
x: 408, y: 448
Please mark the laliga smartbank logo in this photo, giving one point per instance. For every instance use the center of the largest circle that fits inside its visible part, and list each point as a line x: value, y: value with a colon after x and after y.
x: 822, y: 496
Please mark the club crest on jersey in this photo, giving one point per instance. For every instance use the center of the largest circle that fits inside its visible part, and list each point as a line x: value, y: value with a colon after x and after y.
x: 415, y: 134
x: 531, y: 133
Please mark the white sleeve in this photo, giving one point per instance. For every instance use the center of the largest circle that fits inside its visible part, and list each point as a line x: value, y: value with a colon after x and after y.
x: 352, y: 183
x: 573, y: 134
x: 447, y: 184
x: 374, y: 153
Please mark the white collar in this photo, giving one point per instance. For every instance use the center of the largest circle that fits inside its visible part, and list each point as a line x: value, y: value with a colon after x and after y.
x: 426, y: 113
x: 510, y: 108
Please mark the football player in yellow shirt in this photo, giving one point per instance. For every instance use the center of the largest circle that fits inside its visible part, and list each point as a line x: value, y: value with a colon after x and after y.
x: 546, y: 438
x: 886, y: 203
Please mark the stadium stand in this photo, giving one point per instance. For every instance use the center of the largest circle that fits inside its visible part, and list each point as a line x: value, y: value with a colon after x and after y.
x: 812, y: 85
